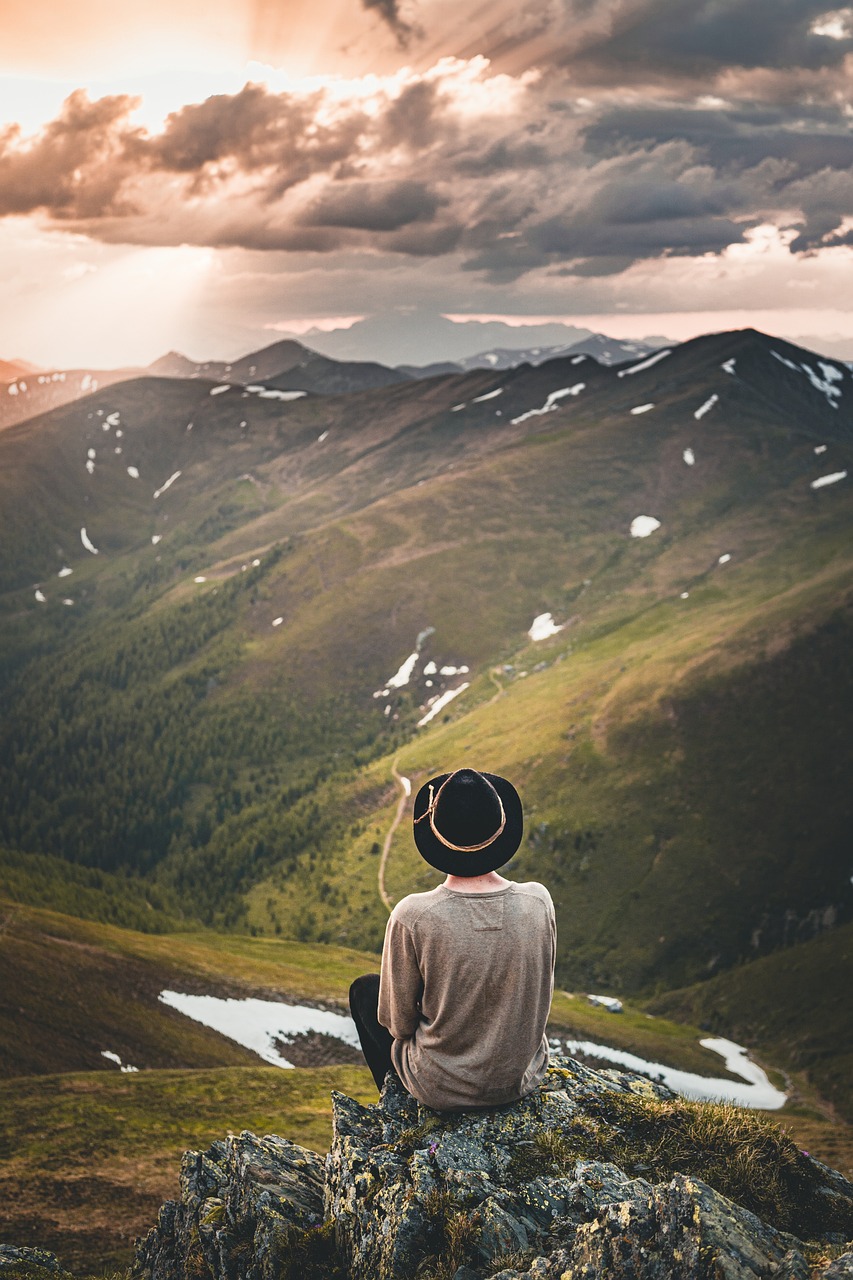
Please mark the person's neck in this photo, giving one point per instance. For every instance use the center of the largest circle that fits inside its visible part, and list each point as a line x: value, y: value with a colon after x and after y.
x: 476, y: 884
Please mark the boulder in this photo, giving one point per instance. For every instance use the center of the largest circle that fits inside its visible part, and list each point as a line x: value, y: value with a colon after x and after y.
x: 565, y: 1185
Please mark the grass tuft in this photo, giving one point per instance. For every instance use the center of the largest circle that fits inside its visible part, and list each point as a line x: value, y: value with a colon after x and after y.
x: 308, y: 1254
x: 411, y: 1139
x: 457, y: 1233
x: 743, y: 1155
x: 514, y: 1260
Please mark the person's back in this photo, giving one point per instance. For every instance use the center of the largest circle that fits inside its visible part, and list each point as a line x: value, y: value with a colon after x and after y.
x: 465, y: 991
x: 468, y: 969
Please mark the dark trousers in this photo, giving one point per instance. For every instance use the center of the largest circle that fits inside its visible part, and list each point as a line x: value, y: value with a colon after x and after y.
x: 376, y: 1040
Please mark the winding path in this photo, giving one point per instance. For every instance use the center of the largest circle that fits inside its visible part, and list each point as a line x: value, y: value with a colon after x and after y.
x: 405, y: 792
x: 501, y: 689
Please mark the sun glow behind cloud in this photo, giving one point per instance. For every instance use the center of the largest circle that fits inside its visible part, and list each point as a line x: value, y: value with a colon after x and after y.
x: 837, y: 25
x: 38, y: 100
x: 465, y: 84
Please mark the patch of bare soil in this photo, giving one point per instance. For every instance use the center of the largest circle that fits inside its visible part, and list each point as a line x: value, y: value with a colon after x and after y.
x: 83, y: 1221
x: 317, y: 1049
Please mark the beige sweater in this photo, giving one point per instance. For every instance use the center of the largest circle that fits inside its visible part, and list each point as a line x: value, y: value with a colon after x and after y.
x: 465, y: 991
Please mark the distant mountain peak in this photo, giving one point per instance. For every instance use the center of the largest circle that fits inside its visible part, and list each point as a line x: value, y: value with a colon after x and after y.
x: 172, y: 365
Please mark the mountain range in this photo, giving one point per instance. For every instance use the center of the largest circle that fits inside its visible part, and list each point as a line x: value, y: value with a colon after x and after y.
x: 249, y: 565
x: 287, y: 364
x: 282, y: 364
x: 417, y: 336
x: 605, y: 350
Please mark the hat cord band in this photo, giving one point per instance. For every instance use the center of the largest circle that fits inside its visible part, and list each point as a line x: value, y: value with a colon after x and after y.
x: 429, y: 812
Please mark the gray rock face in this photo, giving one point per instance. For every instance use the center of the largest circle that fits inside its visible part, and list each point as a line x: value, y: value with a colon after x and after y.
x: 406, y: 1191
x: 398, y: 1163
x: 241, y: 1202
x: 841, y: 1269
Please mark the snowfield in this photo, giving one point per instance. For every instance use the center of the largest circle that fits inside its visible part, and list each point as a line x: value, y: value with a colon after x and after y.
x: 258, y: 1024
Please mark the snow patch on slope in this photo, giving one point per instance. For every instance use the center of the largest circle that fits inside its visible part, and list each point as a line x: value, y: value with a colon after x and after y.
x: 645, y: 364
x: 543, y: 626
x: 441, y: 702
x: 642, y: 526
x: 706, y: 407
x: 551, y: 403
x: 833, y: 478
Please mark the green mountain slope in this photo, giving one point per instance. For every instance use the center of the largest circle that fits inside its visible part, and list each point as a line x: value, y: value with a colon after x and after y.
x: 25, y: 392
x: 655, y: 809
x: 46, y: 880
x: 680, y: 742
x: 72, y: 989
x: 795, y: 1003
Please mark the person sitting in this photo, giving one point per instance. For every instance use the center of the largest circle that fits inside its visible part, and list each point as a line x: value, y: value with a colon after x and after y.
x: 467, y: 975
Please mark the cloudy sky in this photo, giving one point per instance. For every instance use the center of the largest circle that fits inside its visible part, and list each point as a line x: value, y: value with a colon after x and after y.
x: 209, y: 174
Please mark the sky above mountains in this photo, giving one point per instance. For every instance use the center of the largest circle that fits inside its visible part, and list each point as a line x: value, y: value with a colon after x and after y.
x: 209, y: 176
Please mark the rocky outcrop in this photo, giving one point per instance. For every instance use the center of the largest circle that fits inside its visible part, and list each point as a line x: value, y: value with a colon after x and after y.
x: 519, y: 1191
x: 242, y: 1203
x: 30, y: 1264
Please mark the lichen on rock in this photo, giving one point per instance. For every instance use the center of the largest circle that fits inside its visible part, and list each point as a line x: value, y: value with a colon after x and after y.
x: 596, y: 1174
x: 30, y: 1264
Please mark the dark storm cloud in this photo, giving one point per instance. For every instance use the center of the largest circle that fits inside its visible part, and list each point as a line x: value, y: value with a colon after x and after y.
x: 625, y: 220
x: 91, y: 162
x: 840, y: 239
x: 623, y: 40
x: 389, y: 11
x: 413, y: 118
x: 501, y: 155
x: 743, y: 159
x: 823, y: 198
x: 635, y: 237
x: 250, y: 125
x: 253, y: 130
x: 732, y: 138
x: 373, y: 206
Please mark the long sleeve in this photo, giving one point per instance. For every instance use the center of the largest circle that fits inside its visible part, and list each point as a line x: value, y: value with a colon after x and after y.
x: 401, y: 982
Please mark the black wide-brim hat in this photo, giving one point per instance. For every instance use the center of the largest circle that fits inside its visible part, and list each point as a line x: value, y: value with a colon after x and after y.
x: 467, y: 823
